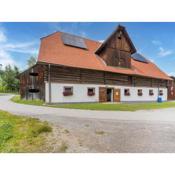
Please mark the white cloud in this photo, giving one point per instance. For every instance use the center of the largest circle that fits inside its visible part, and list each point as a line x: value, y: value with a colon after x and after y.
x: 151, y: 60
x: 172, y: 74
x: 73, y: 28
x: 101, y: 41
x: 6, y: 59
x: 2, y: 36
x: 156, y: 42
x: 7, y: 47
x: 83, y: 34
x: 163, y: 52
x: 27, y: 47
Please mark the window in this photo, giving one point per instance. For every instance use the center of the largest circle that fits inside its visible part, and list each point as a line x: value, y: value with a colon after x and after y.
x: 140, y: 93
x: 151, y: 93
x: 160, y: 92
x: 91, y: 91
x: 68, y: 91
x: 126, y: 92
x: 120, y: 35
x: 33, y: 74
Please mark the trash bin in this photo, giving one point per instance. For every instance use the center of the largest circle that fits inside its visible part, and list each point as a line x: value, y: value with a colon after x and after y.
x: 159, y: 100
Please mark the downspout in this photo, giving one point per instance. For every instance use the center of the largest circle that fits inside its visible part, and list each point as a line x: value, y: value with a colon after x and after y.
x: 158, y: 91
x: 49, y: 80
x: 32, y: 83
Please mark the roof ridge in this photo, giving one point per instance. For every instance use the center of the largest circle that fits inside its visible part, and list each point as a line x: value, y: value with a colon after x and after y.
x: 71, y: 34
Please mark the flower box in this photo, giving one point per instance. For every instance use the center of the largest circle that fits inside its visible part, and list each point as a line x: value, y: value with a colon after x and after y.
x: 161, y: 93
x: 127, y: 94
x: 67, y: 93
x: 90, y: 93
x: 140, y: 94
x: 151, y: 93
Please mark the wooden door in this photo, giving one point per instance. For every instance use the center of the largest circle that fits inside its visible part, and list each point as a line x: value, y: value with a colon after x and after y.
x: 171, y: 93
x: 102, y: 94
x: 116, y: 95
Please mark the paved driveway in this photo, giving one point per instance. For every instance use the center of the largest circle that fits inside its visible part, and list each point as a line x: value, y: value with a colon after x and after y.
x: 106, y: 131
x: 52, y: 114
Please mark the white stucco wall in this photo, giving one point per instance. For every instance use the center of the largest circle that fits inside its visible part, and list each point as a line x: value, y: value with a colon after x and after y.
x: 145, y: 97
x: 80, y: 93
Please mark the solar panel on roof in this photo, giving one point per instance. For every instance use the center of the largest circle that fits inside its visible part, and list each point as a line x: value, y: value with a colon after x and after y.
x: 139, y: 57
x: 72, y: 40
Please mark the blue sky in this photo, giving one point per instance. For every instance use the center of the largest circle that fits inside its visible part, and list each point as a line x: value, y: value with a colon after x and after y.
x: 156, y: 41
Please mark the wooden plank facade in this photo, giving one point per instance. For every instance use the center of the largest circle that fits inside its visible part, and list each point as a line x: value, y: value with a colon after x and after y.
x: 74, y: 75
x: 171, y: 89
x: 118, y: 49
x: 62, y: 74
x: 32, y: 83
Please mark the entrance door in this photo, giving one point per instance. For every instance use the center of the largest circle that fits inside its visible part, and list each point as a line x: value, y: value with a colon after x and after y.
x: 102, y: 94
x: 109, y: 95
x: 116, y: 95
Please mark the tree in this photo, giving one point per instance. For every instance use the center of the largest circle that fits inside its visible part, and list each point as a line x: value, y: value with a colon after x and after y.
x: 1, y: 73
x: 10, y: 79
x: 31, y: 61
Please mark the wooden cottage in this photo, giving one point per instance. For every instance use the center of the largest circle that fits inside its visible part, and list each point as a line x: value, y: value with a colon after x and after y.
x: 75, y: 69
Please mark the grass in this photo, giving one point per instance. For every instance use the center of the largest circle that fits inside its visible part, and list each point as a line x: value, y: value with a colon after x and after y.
x: 118, y: 107
x: 37, y: 102
x: 100, y: 132
x: 21, y: 134
x: 101, y: 106
x: 63, y: 147
x: 87, y: 125
x: 66, y: 131
x: 6, y: 93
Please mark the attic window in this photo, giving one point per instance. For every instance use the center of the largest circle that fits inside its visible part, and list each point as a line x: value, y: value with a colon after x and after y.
x: 33, y: 74
x: 120, y: 35
x: 33, y: 90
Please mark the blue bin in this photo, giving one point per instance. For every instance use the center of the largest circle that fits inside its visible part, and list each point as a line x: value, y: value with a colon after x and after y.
x: 159, y: 100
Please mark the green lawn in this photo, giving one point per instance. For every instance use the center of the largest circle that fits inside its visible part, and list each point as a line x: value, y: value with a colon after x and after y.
x: 17, y: 99
x: 21, y: 134
x: 101, y: 106
x: 118, y: 107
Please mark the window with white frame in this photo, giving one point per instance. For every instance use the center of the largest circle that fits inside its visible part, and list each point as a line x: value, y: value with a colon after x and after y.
x: 139, y: 92
x: 68, y: 91
x: 160, y: 92
x: 90, y: 91
x: 127, y: 92
x: 151, y: 92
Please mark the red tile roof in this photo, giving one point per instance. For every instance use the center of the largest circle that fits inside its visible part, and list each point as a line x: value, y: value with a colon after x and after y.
x: 53, y: 51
